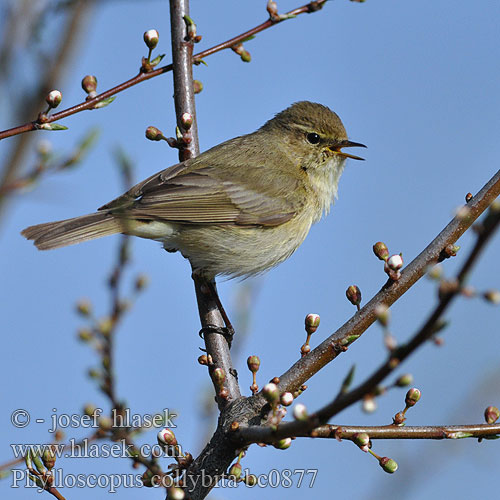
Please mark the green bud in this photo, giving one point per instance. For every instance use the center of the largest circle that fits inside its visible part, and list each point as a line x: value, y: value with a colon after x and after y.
x: 85, y: 334
x: 84, y: 307
x: 383, y: 314
x: 362, y: 439
x: 283, y: 444
x: 404, y: 380
x: 235, y: 470
x: 197, y: 86
x: 253, y: 363
x: 49, y: 458
x: 388, y: 464
x: 219, y: 376
x: 412, y: 397
x: 312, y: 323
x: 381, y: 250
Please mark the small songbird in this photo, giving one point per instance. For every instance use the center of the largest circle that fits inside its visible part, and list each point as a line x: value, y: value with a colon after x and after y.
x: 237, y: 209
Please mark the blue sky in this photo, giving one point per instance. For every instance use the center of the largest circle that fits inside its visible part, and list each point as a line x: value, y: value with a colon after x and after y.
x: 418, y: 84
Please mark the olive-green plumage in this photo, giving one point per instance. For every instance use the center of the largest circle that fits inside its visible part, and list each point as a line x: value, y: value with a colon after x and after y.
x: 238, y: 208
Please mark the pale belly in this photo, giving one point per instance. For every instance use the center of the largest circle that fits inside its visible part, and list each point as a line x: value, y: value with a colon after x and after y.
x: 237, y: 251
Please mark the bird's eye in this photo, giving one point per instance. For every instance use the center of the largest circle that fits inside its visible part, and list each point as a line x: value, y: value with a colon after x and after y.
x: 313, y: 138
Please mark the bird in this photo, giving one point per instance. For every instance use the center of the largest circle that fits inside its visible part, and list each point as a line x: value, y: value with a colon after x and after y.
x: 236, y: 210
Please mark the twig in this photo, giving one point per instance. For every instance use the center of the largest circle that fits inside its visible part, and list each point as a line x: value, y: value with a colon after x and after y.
x: 406, y: 432
x: 141, y: 77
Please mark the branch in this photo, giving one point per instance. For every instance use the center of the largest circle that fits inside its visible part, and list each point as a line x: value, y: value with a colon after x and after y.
x: 354, y: 328
x: 338, y: 342
x: 141, y: 77
x: 406, y: 432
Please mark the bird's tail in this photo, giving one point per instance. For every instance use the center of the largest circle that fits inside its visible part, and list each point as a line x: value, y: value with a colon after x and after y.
x: 71, y: 231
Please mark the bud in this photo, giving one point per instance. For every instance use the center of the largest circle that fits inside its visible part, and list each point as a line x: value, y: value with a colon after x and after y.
x: 305, y: 349
x: 175, y: 493
x: 312, y: 323
x: 283, y: 444
x: 271, y: 393
x: 89, y: 409
x: 54, y: 98
x: 381, y: 250
x: 253, y: 363
x: 44, y: 148
x: 219, y: 376
x: 468, y: 197
x: 141, y: 282
x: 353, y: 294
x: 369, y: 404
x: 272, y: 8
x: 166, y: 437
x: 151, y: 38
x: 404, y: 380
x: 203, y: 360
x: 197, y: 86
x: 412, y: 397
x: 89, y: 84
x: 286, y: 399
x: 235, y: 470
x: 463, y: 213
x: 105, y: 423
x: 300, y: 412
x: 390, y: 342
x: 362, y: 439
x: 85, y: 334
x: 94, y: 373
x: 105, y: 325
x: 240, y: 50
x: 84, y: 307
x: 388, y: 464
x: 250, y: 480
x: 491, y: 414
x: 153, y: 134
x: 492, y: 296
x: 146, y: 479
x: 186, y: 120
x: 395, y: 262
x: 245, y: 56
x: 49, y: 458
x: 436, y: 273
x: 383, y: 314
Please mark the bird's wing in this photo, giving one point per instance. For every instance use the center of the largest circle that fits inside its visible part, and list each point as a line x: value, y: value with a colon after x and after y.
x: 198, y: 196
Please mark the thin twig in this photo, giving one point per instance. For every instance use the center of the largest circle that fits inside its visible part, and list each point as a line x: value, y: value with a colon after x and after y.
x: 406, y: 432
x: 141, y: 77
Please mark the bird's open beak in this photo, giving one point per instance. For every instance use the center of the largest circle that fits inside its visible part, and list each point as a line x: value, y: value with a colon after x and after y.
x: 336, y: 148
